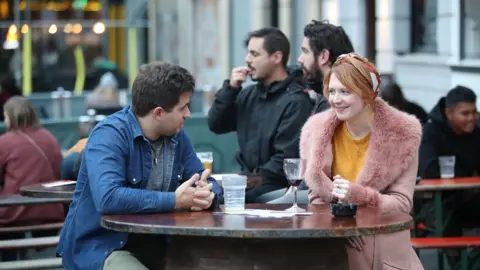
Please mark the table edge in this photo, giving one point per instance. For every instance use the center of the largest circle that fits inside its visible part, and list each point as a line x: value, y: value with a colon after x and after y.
x: 53, y: 200
x: 45, y: 194
x: 256, y: 233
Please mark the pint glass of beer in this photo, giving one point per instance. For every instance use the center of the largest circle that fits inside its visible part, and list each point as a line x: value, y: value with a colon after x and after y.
x: 207, y: 159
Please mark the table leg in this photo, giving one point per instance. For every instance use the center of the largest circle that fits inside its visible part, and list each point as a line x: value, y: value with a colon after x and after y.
x: 464, y: 259
x: 207, y: 253
x: 440, y: 225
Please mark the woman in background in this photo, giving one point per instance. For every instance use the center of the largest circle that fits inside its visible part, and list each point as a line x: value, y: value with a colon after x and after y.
x: 29, y: 155
x: 363, y: 151
x: 392, y: 93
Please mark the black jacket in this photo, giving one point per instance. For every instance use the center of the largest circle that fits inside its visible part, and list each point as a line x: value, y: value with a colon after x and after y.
x: 439, y: 139
x: 321, y: 103
x: 415, y: 109
x: 267, y: 120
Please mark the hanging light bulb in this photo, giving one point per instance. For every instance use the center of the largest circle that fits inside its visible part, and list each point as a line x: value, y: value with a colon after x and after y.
x: 52, y: 29
x: 24, y: 29
x: 77, y: 28
x: 11, y: 41
x: 99, y: 28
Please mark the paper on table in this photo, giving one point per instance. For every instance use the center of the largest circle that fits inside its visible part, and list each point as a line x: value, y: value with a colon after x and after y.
x: 268, y: 213
x: 60, y: 183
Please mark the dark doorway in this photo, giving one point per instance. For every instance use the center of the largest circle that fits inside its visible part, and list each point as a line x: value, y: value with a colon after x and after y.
x: 274, y: 16
x: 371, y: 19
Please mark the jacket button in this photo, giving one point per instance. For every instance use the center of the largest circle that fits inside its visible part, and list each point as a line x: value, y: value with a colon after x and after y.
x: 121, y: 242
x: 134, y: 180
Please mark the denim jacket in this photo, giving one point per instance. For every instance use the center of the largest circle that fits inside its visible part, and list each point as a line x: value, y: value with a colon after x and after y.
x: 113, y: 177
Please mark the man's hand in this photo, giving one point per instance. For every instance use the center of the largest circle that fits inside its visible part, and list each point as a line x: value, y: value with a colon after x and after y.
x: 202, y: 181
x: 185, y: 193
x: 239, y: 75
x: 203, y: 194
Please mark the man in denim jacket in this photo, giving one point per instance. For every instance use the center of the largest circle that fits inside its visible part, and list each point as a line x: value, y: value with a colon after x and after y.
x: 138, y: 160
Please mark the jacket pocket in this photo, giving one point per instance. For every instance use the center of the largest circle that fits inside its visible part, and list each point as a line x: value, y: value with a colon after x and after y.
x: 134, y: 177
x: 177, y: 176
x: 387, y: 266
x: 396, y: 249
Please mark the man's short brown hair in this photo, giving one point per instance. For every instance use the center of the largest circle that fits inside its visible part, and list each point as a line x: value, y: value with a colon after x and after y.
x: 159, y: 84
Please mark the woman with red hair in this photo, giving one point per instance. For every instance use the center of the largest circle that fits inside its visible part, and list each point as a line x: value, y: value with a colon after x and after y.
x: 363, y: 151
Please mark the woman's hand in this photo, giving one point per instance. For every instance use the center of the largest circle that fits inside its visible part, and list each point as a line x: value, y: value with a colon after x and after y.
x: 356, y: 242
x: 341, y: 188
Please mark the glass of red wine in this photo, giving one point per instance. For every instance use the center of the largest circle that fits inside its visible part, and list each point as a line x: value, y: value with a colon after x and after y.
x: 293, y: 168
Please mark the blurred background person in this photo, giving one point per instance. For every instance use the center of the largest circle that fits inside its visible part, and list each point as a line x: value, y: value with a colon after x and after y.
x: 105, y: 94
x: 322, y: 43
x: 29, y: 154
x: 452, y: 131
x: 392, y: 93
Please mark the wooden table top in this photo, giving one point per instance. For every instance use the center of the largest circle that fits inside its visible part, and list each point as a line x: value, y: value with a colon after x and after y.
x: 320, y: 224
x: 39, y: 191
x: 448, y: 184
x: 16, y: 200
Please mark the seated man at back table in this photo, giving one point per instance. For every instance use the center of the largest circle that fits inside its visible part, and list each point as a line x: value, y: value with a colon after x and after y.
x: 452, y: 131
x: 138, y: 160
x: 268, y: 115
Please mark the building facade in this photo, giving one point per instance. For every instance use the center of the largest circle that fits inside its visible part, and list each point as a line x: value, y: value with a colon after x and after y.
x: 428, y: 46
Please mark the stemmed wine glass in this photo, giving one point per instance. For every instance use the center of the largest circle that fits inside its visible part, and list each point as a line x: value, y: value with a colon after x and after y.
x: 293, y: 168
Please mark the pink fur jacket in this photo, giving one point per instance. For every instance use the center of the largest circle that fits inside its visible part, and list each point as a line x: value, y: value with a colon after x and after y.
x: 387, y: 179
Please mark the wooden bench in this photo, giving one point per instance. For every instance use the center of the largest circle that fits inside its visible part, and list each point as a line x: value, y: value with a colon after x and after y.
x: 446, y: 242
x: 462, y: 243
x: 26, y: 243
x: 17, y: 200
x: 31, y: 228
x: 30, y: 243
x: 32, y: 264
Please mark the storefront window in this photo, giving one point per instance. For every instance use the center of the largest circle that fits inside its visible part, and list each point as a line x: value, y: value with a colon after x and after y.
x: 167, y: 31
x: 206, y: 28
x: 73, y: 37
x: 471, y: 29
x: 424, y: 26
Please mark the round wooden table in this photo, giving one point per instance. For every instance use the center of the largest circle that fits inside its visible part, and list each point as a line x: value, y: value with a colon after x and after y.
x: 39, y: 191
x: 206, y: 240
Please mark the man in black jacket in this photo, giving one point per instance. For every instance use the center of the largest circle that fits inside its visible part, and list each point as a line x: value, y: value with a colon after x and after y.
x: 268, y: 115
x: 322, y: 44
x: 452, y: 131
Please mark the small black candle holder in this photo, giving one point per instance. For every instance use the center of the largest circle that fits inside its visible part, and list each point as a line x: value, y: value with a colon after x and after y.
x: 343, y: 209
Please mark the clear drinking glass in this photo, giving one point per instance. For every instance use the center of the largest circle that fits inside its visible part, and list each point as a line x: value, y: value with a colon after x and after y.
x: 234, y: 193
x: 447, y: 166
x: 207, y: 159
x: 293, y: 168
